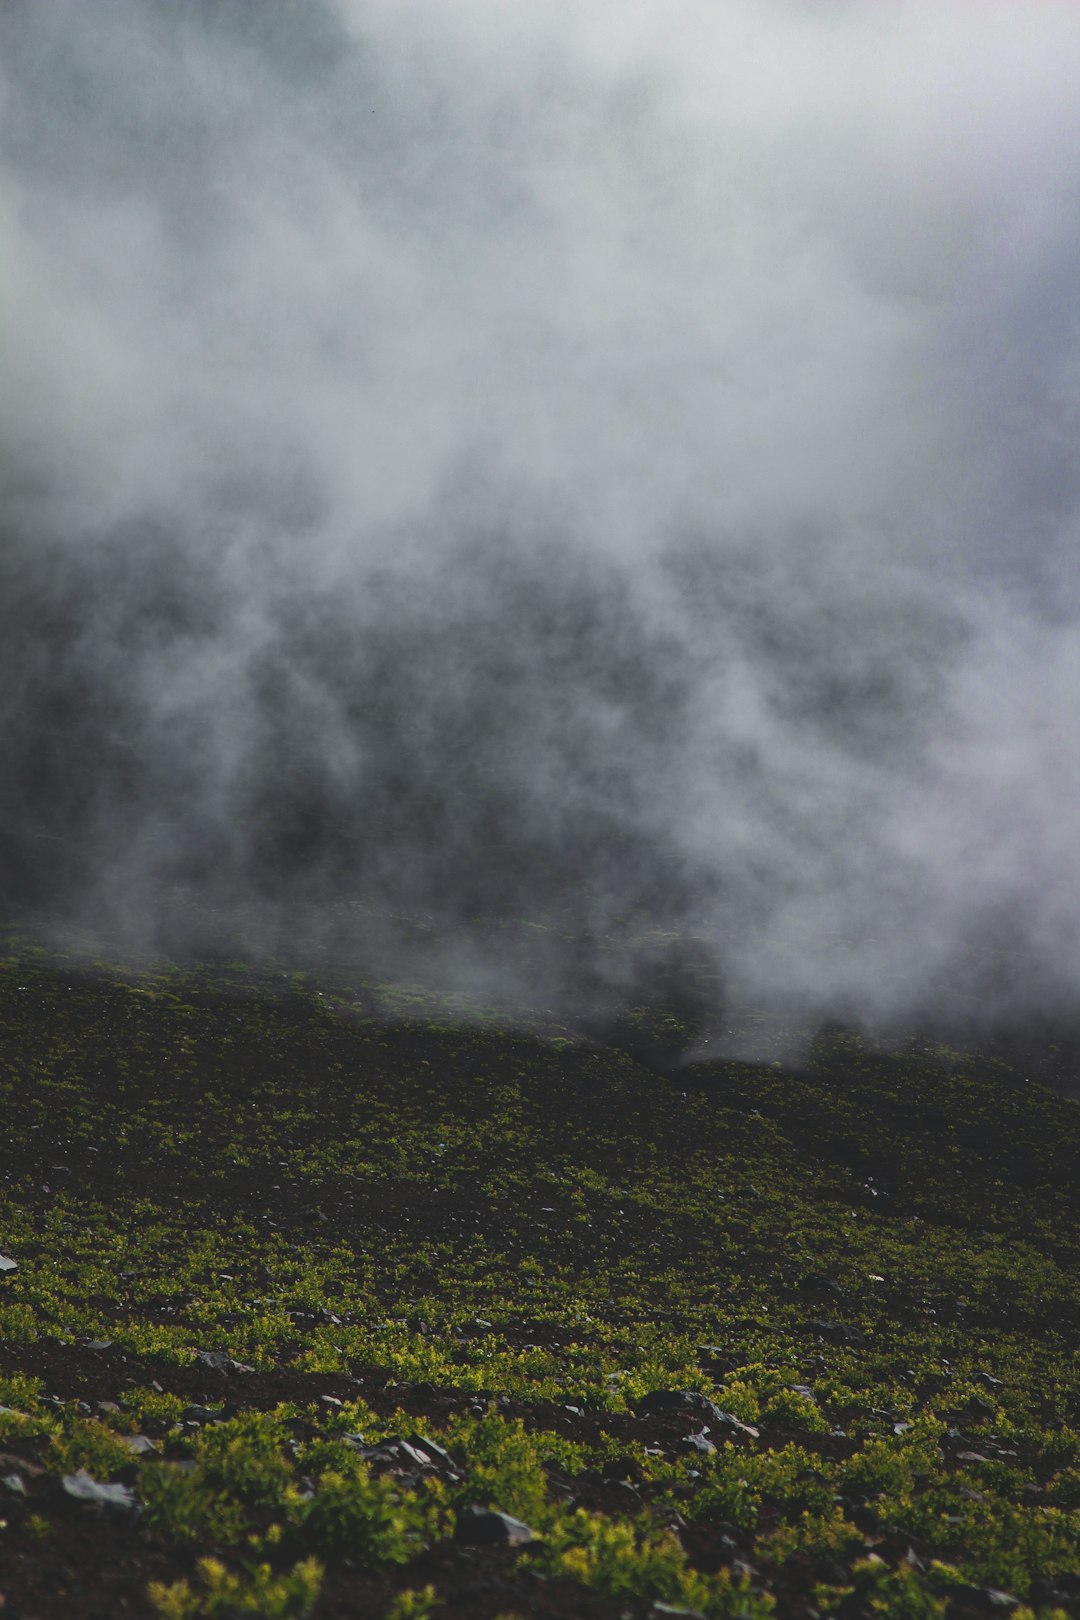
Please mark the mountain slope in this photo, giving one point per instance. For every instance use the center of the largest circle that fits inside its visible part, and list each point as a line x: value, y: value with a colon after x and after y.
x: 305, y: 1283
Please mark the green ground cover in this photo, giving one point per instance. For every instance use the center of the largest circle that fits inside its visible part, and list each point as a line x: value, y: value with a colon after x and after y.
x: 298, y: 1284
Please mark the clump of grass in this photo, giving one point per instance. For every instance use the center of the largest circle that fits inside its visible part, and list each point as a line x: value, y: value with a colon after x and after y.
x: 221, y: 1594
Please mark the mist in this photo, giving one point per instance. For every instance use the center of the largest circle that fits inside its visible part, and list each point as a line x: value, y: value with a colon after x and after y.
x: 503, y: 489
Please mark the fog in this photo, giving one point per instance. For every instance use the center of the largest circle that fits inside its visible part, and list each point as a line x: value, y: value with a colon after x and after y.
x: 498, y: 489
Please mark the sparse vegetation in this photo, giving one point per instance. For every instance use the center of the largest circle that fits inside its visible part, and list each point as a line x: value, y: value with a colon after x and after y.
x: 306, y: 1285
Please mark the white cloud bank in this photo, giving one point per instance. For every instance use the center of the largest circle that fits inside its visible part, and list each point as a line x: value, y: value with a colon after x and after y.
x: 617, y: 459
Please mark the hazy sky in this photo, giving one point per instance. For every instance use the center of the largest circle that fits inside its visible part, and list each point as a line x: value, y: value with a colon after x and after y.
x: 608, y: 462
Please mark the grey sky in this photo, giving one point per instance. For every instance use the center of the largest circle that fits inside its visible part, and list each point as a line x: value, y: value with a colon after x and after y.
x: 738, y: 342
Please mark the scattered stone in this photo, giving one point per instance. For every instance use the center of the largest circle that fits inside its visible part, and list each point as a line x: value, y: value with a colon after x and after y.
x: 486, y: 1527
x: 411, y: 1454
x: 691, y: 1403
x: 98, y: 1344
x: 220, y: 1361
x: 838, y: 1332
x: 440, y: 1458
x: 83, y: 1488
x: 381, y: 1451
x: 140, y: 1444
x: 661, y: 1402
x: 203, y: 1414
x: 216, y: 1360
x: 659, y: 1607
x: 699, y: 1443
x: 733, y: 1427
x: 7, y: 1264
x: 817, y: 1283
x: 396, y: 1452
x: 14, y: 1484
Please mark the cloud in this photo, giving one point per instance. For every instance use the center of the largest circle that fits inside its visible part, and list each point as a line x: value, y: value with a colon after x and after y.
x: 607, y: 466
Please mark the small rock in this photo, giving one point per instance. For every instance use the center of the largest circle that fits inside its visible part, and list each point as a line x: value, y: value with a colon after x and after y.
x: 661, y: 1402
x: 818, y: 1283
x: 98, y: 1344
x: 411, y: 1454
x: 433, y: 1451
x: 660, y: 1607
x: 85, y: 1489
x: 7, y: 1264
x: 486, y: 1527
x: 216, y: 1360
x: 691, y: 1402
x: 14, y: 1484
x: 140, y: 1444
x: 733, y: 1426
x: 220, y: 1361
x: 381, y: 1451
x: 838, y: 1332
x: 698, y: 1442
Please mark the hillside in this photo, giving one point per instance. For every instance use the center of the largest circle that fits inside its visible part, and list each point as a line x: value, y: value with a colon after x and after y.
x: 311, y: 1282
